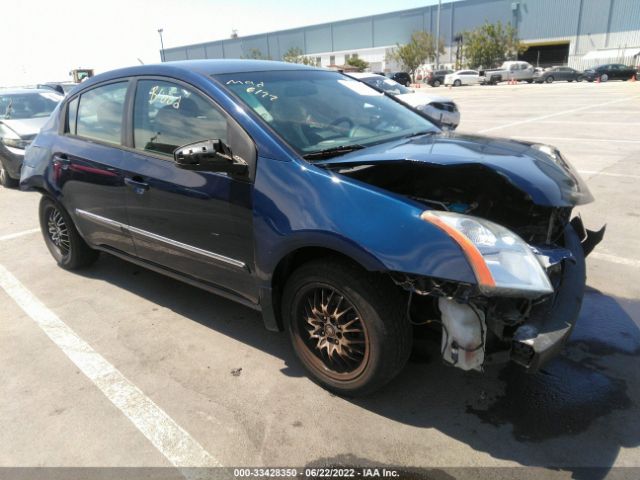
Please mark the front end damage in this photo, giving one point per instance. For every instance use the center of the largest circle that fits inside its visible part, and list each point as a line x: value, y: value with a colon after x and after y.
x: 478, y: 329
x: 527, y: 253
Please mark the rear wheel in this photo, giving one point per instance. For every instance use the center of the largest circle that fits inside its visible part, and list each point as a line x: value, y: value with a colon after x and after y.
x: 64, y: 242
x: 5, y: 180
x: 348, y: 327
x: 549, y: 79
x: 436, y: 83
x: 604, y: 77
x: 457, y: 83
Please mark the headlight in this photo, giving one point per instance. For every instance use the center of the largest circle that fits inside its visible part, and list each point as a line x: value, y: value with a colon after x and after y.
x: 502, y: 262
x: 16, y: 142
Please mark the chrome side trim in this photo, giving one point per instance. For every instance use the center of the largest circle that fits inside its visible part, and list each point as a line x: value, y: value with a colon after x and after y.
x: 100, y: 219
x: 160, y: 238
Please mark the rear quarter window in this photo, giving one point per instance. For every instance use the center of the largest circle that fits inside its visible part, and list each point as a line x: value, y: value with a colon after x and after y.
x: 100, y: 111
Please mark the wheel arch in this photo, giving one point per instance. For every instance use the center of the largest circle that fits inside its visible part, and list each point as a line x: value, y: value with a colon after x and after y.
x: 271, y: 297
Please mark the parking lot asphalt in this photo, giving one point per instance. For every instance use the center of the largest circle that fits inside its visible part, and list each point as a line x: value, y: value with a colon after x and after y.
x: 115, y: 365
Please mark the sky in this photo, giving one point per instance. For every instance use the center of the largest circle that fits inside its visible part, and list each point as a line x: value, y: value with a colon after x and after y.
x: 42, y: 40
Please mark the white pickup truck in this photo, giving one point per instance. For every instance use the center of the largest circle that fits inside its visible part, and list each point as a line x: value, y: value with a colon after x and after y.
x: 512, y: 70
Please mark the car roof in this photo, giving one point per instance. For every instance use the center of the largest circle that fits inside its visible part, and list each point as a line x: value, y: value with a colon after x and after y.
x: 203, y: 67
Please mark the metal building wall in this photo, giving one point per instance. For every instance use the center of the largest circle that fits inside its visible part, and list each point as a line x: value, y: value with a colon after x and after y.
x: 586, y: 24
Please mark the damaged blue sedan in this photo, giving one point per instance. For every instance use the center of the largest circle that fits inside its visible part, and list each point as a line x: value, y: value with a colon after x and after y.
x: 343, y: 216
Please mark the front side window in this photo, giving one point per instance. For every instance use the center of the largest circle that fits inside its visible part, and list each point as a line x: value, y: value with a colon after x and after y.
x: 314, y: 110
x: 100, y: 113
x: 167, y: 115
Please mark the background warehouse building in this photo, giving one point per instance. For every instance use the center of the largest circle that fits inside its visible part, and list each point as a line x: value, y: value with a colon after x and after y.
x: 579, y: 33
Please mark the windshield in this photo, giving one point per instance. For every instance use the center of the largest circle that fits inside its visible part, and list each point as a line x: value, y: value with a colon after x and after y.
x: 386, y: 85
x: 319, y: 110
x: 28, y: 105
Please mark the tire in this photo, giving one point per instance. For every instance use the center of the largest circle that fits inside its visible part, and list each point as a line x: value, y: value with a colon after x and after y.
x: 604, y: 77
x: 64, y: 242
x: 5, y: 179
x: 549, y: 79
x: 530, y: 81
x: 457, y: 83
x: 435, y: 83
x: 378, y: 342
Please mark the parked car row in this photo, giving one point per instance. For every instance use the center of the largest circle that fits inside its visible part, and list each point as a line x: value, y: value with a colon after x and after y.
x: 524, y: 71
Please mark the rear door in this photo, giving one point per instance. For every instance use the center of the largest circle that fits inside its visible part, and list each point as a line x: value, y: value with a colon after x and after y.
x: 195, y: 223
x: 87, y: 165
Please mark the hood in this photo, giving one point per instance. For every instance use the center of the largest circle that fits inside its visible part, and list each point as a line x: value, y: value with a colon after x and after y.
x: 537, y: 170
x: 25, y: 127
x: 417, y: 99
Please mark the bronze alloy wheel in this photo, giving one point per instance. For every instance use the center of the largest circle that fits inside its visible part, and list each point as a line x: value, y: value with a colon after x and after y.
x: 58, y: 232
x: 331, y: 333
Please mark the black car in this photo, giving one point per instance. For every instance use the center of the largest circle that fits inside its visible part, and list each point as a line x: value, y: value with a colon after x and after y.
x: 403, y: 78
x: 22, y: 113
x: 610, y: 71
x: 436, y: 78
x: 554, y: 74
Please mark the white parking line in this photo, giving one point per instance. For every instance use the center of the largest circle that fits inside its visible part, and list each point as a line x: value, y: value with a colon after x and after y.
x: 607, y: 174
x: 577, y: 139
x: 160, y: 429
x: 11, y: 236
x: 557, y: 114
x: 615, y: 259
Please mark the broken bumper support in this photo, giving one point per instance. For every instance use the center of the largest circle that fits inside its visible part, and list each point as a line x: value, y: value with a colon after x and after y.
x: 552, y: 321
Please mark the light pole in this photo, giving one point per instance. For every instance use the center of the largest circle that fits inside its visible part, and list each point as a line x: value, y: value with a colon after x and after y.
x: 160, y: 30
x: 438, y: 36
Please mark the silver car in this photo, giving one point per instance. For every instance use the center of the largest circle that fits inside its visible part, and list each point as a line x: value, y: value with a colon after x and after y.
x: 442, y: 110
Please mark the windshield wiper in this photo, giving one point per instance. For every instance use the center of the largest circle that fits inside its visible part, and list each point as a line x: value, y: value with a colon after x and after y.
x: 418, y: 134
x: 332, y: 152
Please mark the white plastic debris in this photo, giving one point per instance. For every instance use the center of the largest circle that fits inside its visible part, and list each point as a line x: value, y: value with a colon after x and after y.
x: 463, y: 335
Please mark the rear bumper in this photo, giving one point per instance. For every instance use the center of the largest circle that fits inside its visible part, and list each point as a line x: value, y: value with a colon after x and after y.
x: 551, y: 322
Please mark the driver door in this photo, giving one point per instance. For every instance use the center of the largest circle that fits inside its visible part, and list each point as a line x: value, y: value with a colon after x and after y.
x: 196, y: 223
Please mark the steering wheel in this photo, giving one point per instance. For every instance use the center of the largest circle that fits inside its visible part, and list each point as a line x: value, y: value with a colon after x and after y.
x: 346, y: 120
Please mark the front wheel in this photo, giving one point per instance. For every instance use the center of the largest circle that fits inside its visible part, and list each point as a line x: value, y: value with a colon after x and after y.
x: 436, y: 83
x: 604, y: 77
x: 64, y: 242
x: 348, y: 327
x: 549, y: 79
x: 457, y: 83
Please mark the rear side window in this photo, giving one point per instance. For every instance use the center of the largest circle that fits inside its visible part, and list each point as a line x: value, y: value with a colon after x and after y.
x: 167, y: 115
x: 100, y: 113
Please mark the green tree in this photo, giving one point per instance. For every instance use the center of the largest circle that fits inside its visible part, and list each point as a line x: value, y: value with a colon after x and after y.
x: 421, y: 47
x: 256, y: 54
x: 491, y: 44
x: 295, y: 55
x: 358, y: 63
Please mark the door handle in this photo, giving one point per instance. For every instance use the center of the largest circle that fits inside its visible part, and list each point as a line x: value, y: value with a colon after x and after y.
x: 62, y: 160
x: 137, y: 184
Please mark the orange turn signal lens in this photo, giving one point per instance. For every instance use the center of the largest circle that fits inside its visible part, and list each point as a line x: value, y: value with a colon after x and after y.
x: 475, y: 258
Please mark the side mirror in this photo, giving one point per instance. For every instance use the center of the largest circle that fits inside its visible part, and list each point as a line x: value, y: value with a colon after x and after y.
x: 209, y: 156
